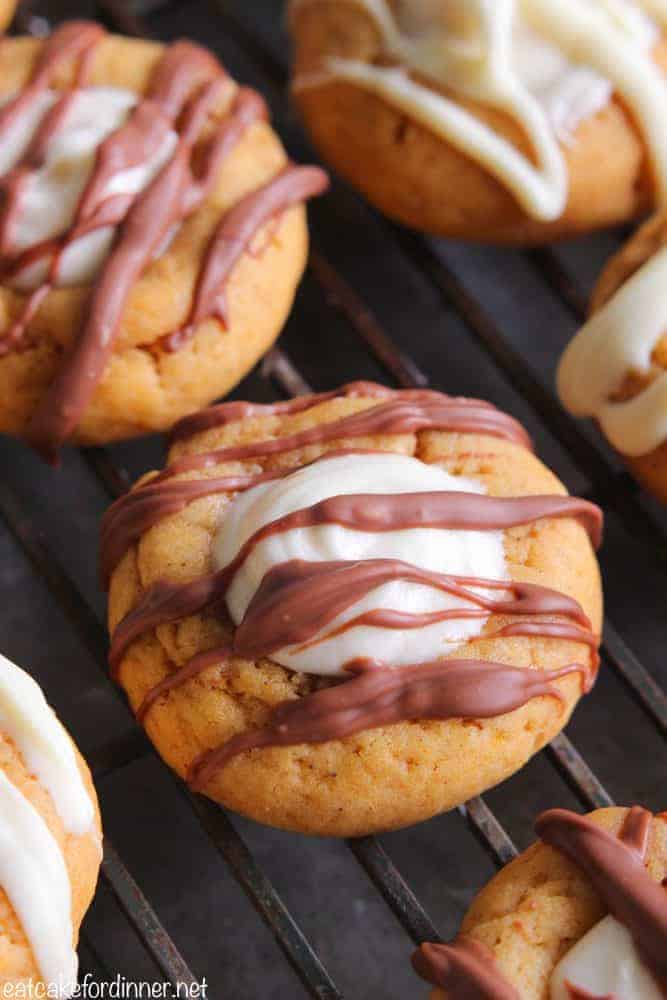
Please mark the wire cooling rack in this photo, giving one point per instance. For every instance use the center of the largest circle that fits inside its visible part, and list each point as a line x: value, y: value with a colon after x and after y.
x: 377, y: 302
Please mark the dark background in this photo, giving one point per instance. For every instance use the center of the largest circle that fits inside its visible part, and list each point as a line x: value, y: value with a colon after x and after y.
x: 478, y: 322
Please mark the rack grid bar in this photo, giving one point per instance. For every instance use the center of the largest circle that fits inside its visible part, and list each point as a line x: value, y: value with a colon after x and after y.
x: 267, y: 902
x: 142, y: 916
x: 391, y: 885
x: 488, y: 830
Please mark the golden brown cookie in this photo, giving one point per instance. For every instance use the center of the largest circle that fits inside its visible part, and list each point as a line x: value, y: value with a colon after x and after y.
x: 534, y: 911
x: 50, y: 850
x: 631, y: 389
x: 390, y: 745
x: 6, y: 12
x: 417, y: 177
x: 206, y: 255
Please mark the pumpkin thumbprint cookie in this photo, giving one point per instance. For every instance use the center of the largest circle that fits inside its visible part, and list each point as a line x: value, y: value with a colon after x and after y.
x: 152, y: 234
x: 580, y: 915
x: 347, y: 612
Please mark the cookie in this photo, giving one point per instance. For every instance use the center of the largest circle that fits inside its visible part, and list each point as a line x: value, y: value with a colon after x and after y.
x: 50, y: 840
x: 614, y: 369
x: 6, y: 13
x: 348, y: 612
x: 499, y: 122
x: 580, y: 914
x: 151, y: 239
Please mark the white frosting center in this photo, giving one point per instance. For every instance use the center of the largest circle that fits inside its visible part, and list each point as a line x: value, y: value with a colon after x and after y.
x: 34, y: 876
x: 618, y: 340
x: 51, y: 194
x: 604, y: 963
x: 466, y: 553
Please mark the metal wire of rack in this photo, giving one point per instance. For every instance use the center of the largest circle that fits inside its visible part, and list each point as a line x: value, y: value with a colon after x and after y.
x: 609, y: 485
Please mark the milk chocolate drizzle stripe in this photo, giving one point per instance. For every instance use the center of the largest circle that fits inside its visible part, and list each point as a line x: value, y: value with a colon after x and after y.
x: 536, y: 629
x: 400, y: 414
x: 379, y: 512
x: 134, y: 513
x: 139, y: 510
x: 225, y: 413
x: 297, y: 599
x: 616, y: 870
x: 379, y: 696
x: 466, y: 968
x: 164, y: 602
x: 70, y: 41
x: 220, y: 655
x: 192, y: 668
x: 75, y: 40
x: 232, y: 238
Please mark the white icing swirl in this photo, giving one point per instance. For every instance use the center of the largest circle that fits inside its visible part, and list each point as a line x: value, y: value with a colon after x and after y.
x: 33, y: 872
x: 34, y: 876
x: 465, y: 553
x: 604, y: 963
x: 28, y: 720
x: 617, y: 341
x: 548, y: 63
x: 51, y: 194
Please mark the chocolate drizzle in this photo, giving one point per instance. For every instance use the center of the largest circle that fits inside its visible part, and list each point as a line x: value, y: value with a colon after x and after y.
x: 191, y: 669
x: 133, y: 514
x: 466, y: 968
x: 402, y: 413
x: 225, y: 413
x: 185, y: 89
x: 297, y: 599
x: 379, y: 696
x: 615, y: 867
x: 232, y: 238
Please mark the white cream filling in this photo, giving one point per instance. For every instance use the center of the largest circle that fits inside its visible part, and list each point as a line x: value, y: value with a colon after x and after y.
x: 550, y: 64
x: 617, y: 340
x: 34, y: 876
x: 465, y: 553
x: 605, y: 962
x: 49, y: 199
x: 28, y: 720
